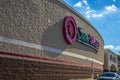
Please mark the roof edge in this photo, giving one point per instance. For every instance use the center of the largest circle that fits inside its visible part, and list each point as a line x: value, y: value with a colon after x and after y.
x: 110, y: 51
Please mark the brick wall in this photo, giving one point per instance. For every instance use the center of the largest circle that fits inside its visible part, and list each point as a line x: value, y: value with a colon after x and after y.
x: 17, y: 69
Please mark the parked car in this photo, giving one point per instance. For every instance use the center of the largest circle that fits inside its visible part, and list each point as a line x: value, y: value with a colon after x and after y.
x: 109, y: 76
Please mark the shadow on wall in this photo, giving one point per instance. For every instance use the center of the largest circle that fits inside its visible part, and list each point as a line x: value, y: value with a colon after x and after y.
x: 81, y: 46
x: 53, y: 38
x: 59, y: 31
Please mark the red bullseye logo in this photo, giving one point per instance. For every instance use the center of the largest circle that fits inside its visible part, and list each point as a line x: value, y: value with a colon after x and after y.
x: 70, y: 30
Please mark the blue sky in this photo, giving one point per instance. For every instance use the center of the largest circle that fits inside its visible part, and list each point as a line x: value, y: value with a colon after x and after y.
x: 104, y: 15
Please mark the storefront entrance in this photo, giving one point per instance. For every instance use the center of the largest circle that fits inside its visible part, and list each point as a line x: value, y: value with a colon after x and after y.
x: 113, y: 68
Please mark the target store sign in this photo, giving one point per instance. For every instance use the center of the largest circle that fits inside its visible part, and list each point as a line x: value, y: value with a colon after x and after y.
x: 70, y: 30
x: 73, y: 34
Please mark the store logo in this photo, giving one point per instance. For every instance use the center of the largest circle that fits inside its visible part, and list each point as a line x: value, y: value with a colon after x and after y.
x: 72, y: 34
x: 70, y: 30
x: 113, y: 58
x: 87, y: 39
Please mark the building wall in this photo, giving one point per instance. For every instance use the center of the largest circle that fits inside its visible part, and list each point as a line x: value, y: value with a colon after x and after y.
x: 106, y: 59
x: 119, y: 67
x: 32, y: 42
x: 110, y: 59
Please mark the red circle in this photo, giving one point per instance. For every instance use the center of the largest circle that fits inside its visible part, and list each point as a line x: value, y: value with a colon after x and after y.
x: 70, y: 30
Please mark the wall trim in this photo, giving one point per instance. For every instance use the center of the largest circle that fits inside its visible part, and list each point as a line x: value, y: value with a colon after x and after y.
x: 46, y: 48
x: 50, y: 60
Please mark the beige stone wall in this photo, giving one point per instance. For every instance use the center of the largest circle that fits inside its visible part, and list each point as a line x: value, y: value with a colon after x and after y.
x: 106, y: 66
x: 108, y: 62
x: 32, y: 31
x: 41, y: 22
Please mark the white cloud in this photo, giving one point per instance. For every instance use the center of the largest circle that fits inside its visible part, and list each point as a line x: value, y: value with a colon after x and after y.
x: 97, y: 15
x: 111, y: 8
x: 88, y: 11
x: 88, y: 8
x: 118, y: 48
x: 114, y: 0
x: 109, y: 47
x: 85, y: 2
x: 112, y: 47
x: 91, y: 13
x: 78, y: 4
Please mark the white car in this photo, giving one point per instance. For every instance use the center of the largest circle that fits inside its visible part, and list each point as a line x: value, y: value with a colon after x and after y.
x: 109, y: 76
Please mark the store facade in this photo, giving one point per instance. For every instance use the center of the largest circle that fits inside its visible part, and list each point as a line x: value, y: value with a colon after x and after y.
x: 110, y: 61
x: 47, y: 40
